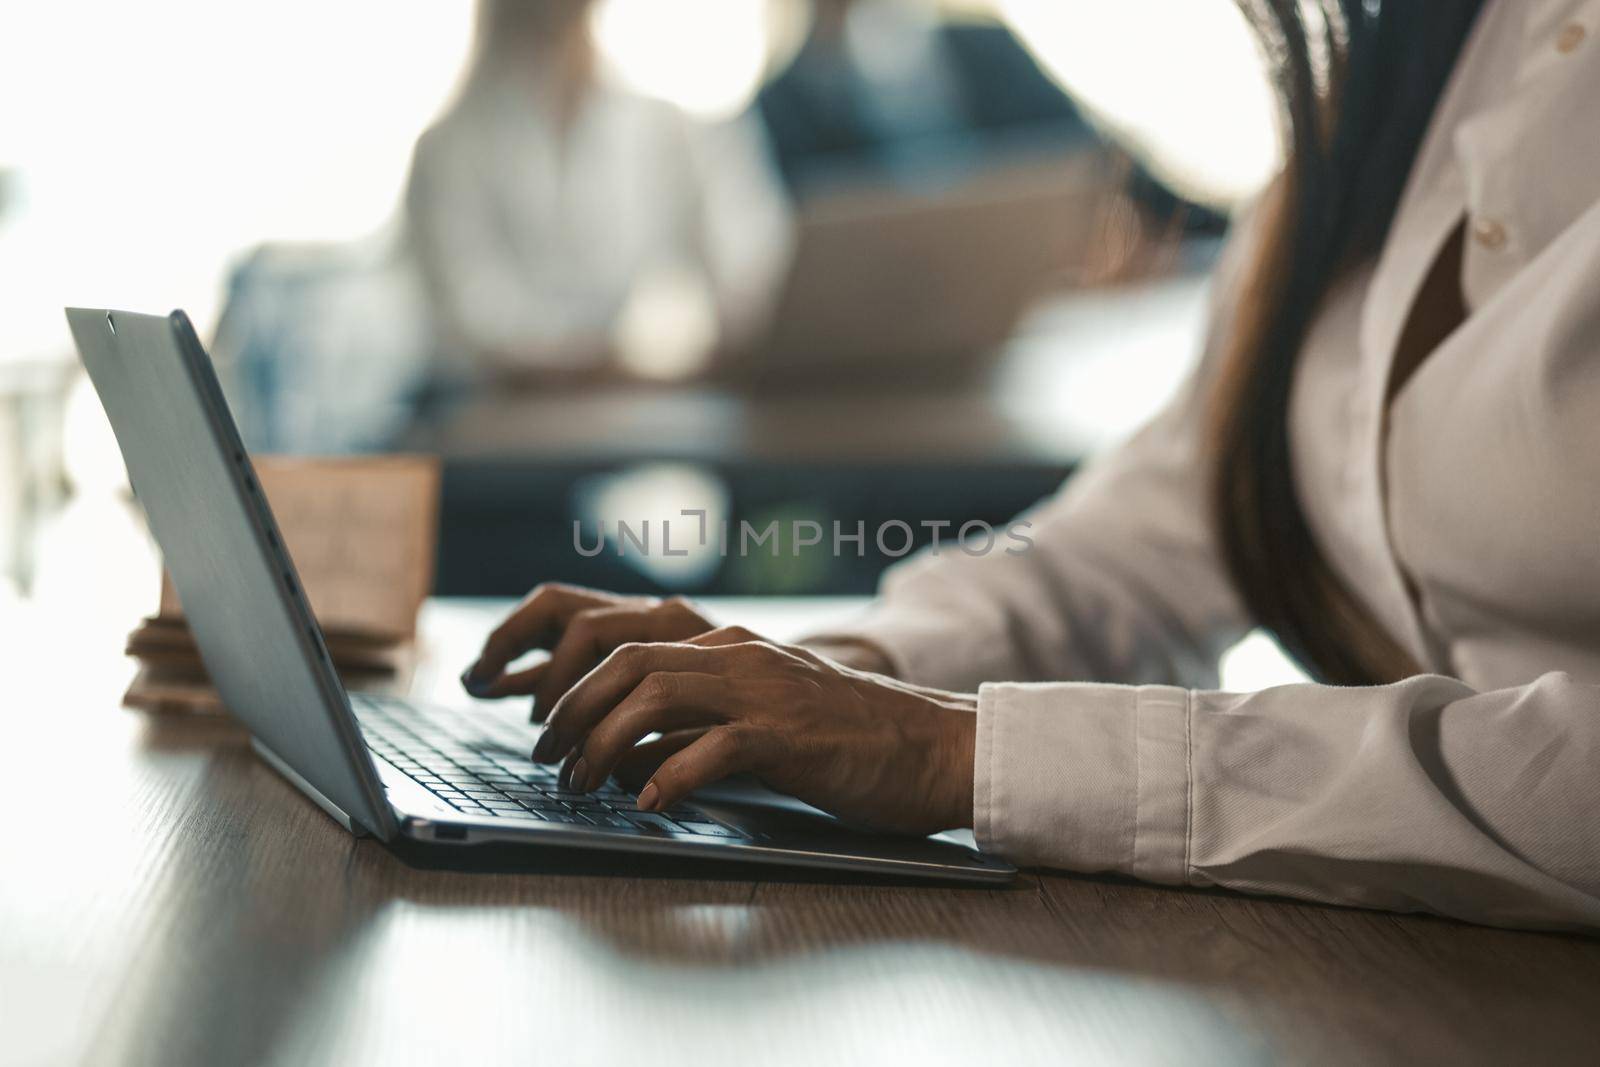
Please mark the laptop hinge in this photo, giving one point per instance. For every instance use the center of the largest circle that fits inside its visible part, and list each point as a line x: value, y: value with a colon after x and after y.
x: 308, y: 789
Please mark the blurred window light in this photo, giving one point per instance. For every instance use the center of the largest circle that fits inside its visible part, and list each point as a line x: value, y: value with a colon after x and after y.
x: 1181, y: 82
x: 153, y: 142
x: 706, y: 56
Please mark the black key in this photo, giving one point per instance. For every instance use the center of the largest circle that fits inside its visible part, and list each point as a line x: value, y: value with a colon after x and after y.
x: 629, y: 807
x: 609, y: 819
x: 543, y: 804
x: 646, y: 820
x: 484, y: 794
x: 503, y: 805
x: 708, y: 829
x: 562, y: 816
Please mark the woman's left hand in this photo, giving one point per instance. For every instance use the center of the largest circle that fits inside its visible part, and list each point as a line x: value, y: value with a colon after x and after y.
x: 858, y: 745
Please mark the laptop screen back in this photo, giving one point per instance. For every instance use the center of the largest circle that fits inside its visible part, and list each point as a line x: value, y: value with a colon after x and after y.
x: 240, y: 593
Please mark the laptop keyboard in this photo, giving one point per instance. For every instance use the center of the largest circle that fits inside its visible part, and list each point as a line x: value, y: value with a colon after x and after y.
x: 483, y: 778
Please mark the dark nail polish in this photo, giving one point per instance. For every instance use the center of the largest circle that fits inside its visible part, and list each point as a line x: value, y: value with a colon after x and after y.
x: 474, y: 682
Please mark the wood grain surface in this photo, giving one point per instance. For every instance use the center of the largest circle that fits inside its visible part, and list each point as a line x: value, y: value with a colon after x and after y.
x: 168, y: 899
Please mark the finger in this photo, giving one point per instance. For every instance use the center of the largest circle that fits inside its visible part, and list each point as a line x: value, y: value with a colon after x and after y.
x: 723, y: 751
x: 603, y: 688
x: 534, y: 623
x: 663, y: 702
x: 640, y: 762
x: 517, y: 683
x: 594, y: 633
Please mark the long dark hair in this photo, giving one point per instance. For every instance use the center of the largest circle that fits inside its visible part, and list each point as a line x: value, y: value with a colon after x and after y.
x: 1358, y: 81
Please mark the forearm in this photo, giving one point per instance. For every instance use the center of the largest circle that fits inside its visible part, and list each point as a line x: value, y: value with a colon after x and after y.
x: 1118, y: 581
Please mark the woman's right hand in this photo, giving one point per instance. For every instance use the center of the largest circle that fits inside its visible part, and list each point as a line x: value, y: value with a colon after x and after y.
x: 579, y: 627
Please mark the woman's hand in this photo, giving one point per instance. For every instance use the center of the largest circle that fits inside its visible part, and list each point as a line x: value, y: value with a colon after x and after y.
x: 858, y: 745
x: 580, y: 627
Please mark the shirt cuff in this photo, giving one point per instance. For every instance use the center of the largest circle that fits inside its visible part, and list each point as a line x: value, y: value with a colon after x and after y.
x: 1085, y: 777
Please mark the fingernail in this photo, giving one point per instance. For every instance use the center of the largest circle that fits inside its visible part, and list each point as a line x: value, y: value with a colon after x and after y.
x: 580, y: 775
x: 545, y: 748
x: 472, y: 683
x: 648, y: 796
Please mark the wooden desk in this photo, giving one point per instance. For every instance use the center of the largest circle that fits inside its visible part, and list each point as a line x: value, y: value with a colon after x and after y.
x: 203, y: 912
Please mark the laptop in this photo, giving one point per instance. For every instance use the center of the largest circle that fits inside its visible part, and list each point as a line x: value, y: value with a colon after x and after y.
x: 908, y: 285
x: 385, y: 767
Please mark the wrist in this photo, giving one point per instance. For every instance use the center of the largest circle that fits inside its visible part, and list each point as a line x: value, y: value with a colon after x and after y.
x: 965, y: 755
x: 953, y: 762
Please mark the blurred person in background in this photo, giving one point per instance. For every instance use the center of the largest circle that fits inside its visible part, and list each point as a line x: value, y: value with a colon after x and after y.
x: 556, y: 228
x: 905, y: 92
x: 893, y: 88
x: 1389, y: 457
x: 547, y: 206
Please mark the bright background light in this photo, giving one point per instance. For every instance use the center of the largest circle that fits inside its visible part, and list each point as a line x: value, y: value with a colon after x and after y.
x: 154, y: 142
x: 706, y: 56
x: 1180, y: 81
x: 157, y: 140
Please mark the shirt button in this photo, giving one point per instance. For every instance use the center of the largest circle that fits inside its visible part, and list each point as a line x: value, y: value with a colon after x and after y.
x: 1570, y: 37
x: 1490, y: 234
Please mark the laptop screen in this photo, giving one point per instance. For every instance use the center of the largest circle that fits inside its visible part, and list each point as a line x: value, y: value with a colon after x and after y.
x: 256, y: 634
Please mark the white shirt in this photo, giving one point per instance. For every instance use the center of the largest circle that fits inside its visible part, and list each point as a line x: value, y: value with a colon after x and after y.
x: 1466, y: 514
x: 533, y: 237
